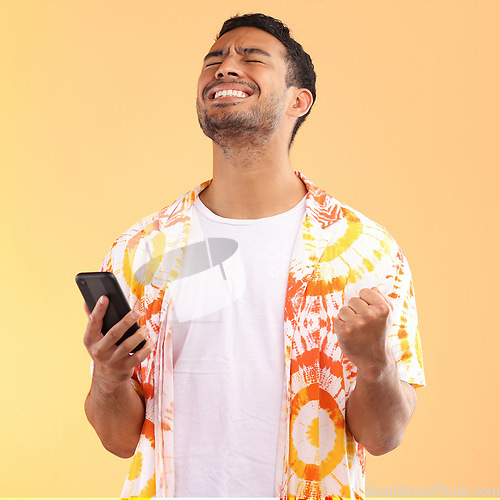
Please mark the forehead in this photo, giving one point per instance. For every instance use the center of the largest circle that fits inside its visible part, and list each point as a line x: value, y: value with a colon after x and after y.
x: 249, y: 38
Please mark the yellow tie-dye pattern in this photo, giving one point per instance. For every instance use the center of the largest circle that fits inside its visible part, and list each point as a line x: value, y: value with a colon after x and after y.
x: 150, y: 489
x: 136, y: 288
x: 158, y: 243
x: 352, y: 233
x: 135, y: 467
x: 313, y: 432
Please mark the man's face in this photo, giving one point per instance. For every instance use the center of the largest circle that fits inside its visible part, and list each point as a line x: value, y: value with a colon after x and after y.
x: 242, y: 95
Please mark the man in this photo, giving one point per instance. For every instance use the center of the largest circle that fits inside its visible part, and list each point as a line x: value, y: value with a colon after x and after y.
x: 230, y: 396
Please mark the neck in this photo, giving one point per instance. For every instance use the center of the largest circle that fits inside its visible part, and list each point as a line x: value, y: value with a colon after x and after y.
x: 251, y: 183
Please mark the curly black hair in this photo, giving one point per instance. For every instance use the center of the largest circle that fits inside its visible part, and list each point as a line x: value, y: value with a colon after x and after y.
x: 300, y: 66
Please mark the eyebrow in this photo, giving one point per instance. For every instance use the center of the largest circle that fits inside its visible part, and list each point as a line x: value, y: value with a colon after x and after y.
x: 240, y: 50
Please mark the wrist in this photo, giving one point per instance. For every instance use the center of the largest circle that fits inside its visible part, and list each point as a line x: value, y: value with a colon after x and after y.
x: 376, y: 371
x: 107, y: 384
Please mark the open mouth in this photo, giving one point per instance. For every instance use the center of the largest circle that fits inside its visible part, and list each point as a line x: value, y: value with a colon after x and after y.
x: 230, y: 93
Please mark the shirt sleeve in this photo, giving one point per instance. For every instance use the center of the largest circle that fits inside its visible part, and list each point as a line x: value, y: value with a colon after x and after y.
x: 404, y: 333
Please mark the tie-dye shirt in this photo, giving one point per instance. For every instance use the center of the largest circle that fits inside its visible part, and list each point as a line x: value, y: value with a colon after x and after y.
x: 338, y: 252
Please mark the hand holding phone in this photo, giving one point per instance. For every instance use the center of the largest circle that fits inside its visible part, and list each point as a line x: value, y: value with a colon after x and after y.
x: 94, y: 285
x: 124, y: 344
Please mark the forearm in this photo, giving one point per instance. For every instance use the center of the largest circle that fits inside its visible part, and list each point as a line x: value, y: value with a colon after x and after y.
x: 117, y: 414
x: 379, y: 409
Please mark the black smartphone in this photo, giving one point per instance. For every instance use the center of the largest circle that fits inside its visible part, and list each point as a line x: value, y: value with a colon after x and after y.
x: 92, y: 286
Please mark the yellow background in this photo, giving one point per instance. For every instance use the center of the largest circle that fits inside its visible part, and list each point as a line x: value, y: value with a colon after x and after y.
x: 98, y: 129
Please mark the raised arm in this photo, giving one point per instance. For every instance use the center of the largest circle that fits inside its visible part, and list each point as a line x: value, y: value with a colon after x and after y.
x: 380, y: 406
x: 113, y: 407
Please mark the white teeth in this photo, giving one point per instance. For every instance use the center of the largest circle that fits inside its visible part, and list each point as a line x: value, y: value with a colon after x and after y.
x: 230, y: 93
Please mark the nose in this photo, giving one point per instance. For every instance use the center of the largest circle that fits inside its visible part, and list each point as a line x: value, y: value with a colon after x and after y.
x: 229, y: 67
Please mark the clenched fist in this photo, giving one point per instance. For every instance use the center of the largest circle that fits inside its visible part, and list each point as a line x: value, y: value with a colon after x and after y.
x: 362, y: 330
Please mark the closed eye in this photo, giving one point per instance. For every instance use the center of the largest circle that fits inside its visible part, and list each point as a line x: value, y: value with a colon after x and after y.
x: 248, y: 61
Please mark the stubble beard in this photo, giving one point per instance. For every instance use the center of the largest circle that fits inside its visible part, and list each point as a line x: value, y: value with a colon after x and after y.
x: 250, y: 129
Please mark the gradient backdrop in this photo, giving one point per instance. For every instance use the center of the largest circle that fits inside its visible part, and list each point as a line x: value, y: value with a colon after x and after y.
x: 98, y: 129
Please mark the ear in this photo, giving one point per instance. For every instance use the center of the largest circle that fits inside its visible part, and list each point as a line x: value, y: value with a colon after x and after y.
x: 301, y: 103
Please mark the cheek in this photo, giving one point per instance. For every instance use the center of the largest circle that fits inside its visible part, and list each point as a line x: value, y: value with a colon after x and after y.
x: 202, y: 83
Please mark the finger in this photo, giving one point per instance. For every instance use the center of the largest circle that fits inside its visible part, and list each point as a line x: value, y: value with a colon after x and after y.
x: 129, y: 344
x: 386, y: 299
x: 118, y: 330
x: 94, y: 325
x: 358, y: 305
x: 372, y: 297
x: 346, y: 314
x: 139, y: 356
x: 100, y: 307
x: 129, y: 359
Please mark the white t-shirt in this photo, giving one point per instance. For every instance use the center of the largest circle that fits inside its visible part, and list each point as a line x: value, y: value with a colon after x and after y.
x: 228, y: 353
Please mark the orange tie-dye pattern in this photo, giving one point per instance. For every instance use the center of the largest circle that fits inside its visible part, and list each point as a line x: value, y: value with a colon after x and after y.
x: 338, y: 252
